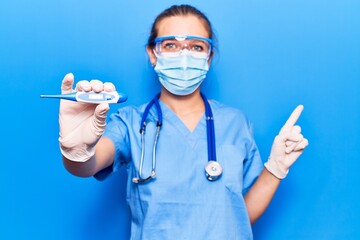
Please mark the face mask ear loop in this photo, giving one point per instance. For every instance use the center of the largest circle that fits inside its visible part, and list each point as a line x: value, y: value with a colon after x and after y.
x: 152, y: 64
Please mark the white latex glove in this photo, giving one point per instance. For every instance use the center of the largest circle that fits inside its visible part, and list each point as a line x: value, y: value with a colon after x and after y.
x: 287, y: 146
x: 81, y: 124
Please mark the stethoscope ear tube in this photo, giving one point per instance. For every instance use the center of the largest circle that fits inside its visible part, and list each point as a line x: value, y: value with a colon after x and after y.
x: 144, y: 180
x: 140, y: 179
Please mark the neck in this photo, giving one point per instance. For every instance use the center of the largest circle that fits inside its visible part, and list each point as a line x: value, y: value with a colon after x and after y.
x: 183, y: 105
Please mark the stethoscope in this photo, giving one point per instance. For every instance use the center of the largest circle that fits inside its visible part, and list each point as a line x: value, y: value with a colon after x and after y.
x: 213, y: 169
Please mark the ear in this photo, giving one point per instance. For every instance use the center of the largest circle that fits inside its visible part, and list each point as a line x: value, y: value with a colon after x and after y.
x: 151, y: 54
x: 210, y: 57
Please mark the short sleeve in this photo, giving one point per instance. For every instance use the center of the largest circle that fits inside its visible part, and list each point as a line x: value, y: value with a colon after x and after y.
x: 252, y: 165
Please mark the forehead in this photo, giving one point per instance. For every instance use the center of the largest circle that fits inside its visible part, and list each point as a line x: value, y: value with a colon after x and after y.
x: 182, y: 25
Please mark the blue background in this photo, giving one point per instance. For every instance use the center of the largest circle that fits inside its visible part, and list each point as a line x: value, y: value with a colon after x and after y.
x: 272, y: 55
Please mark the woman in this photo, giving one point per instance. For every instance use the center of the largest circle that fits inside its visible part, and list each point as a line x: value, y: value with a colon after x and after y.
x: 179, y: 198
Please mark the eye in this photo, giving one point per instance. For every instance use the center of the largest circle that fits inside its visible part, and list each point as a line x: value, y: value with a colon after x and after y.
x: 199, y: 46
x: 169, y: 45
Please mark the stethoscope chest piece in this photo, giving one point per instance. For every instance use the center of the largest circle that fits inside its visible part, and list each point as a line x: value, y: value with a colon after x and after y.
x: 213, y: 170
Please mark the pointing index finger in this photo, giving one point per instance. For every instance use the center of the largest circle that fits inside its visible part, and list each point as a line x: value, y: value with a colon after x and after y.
x: 292, y: 119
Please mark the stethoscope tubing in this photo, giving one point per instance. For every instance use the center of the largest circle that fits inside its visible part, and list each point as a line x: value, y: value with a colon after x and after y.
x: 210, y: 133
x: 155, y: 102
x: 210, y: 130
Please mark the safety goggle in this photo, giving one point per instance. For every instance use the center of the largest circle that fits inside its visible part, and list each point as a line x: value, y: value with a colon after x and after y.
x: 173, y: 46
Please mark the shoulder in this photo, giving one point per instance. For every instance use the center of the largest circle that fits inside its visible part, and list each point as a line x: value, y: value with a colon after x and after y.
x: 223, y: 111
x: 128, y: 113
x: 127, y: 119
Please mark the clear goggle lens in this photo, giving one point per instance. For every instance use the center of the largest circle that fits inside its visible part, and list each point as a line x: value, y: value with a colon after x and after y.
x: 173, y: 46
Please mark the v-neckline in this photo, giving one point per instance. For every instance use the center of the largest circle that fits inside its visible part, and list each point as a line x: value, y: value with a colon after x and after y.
x: 177, y: 123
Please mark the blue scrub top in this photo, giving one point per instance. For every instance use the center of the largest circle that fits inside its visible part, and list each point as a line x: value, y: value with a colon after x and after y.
x: 180, y: 203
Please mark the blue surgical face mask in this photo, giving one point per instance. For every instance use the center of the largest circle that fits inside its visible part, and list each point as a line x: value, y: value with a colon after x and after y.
x: 182, y: 74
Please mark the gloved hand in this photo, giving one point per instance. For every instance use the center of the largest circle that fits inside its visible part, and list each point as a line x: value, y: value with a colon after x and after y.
x: 81, y: 124
x: 287, y: 146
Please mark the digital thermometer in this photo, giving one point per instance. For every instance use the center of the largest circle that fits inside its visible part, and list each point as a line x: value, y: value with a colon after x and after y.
x: 91, y: 97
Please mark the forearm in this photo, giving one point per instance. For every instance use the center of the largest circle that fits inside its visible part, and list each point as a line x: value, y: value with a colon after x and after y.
x: 104, y: 157
x: 80, y: 169
x: 259, y: 196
